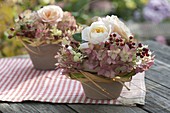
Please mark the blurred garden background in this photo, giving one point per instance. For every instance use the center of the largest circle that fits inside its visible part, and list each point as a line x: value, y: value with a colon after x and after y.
x: 147, y: 19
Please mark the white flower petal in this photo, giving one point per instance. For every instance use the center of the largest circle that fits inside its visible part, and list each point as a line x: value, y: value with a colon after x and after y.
x: 97, y: 24
x: 99, y: 37
x: 84, y: 46
x: 116, y: 26
x: 85, y: 34
x: 96, y: 33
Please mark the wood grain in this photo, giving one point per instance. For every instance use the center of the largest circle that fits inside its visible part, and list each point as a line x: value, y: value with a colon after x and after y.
x: 157, y: 98
x: 157, y: 80
x: 160, y: 72
x: 6, y: 108
x: 105, y: 109
x: 34, y: 107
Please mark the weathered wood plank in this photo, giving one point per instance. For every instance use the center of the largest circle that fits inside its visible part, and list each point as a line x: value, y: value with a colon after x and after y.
x: 105, y: 109
x: 6, y: 108
x: 162, y: 52
x: 156, y: 104
x: 159, y: 77
x: 157, y: 80
x: 158, y: 89
x: 157, y: 98
x: 34, y: 107
x: 51, y: 108
x: 160, y: 72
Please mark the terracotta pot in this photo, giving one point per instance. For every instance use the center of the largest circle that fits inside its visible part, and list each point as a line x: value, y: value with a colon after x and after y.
x: 43, y: 56
x: 99, y: 87
x: 112, y: 90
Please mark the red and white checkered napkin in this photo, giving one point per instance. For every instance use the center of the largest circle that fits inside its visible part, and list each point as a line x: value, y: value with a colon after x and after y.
x: 19, y: 81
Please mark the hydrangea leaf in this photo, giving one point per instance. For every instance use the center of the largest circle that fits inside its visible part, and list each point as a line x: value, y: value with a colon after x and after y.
x: 77, y: 37
x: 76, y: 75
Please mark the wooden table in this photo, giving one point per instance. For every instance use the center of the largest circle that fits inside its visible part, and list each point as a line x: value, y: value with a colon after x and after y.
x: 157, y: 97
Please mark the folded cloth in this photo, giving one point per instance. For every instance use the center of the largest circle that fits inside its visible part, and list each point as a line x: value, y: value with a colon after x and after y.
x: 19, y: 81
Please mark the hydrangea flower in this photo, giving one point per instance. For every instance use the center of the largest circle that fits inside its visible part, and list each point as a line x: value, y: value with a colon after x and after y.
x: 157, y: 10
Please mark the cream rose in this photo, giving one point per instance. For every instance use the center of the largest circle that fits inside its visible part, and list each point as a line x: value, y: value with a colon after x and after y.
x: 116, y: 26
x: 96, y: 33
x: 50, y: 13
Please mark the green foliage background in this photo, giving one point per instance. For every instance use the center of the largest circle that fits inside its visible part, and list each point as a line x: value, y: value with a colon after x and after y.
x: 83, y: 10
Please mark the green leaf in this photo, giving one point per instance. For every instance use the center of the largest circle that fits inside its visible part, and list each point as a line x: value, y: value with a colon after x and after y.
x: 76, y: 75
x: 132, y: 73
x: 77, y: 37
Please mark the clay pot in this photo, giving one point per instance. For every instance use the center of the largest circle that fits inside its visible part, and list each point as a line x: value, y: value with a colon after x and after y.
x: 42, y: 56
x: 112, y: 90
x: 99, y: 87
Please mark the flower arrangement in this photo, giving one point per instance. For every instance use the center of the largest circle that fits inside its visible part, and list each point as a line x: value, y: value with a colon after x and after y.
x: 42, y: 31
x: 47, y: 25
x: 107, y: 49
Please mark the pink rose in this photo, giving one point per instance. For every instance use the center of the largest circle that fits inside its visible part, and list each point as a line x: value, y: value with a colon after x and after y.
x: 50, y: 14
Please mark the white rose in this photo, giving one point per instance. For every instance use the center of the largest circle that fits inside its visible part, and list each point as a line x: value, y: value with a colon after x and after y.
x: 116, y: 26
x: 50, y: 13
x: 96, y: 33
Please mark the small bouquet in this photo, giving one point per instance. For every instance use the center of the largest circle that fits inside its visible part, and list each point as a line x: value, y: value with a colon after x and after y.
x: 41, y: 32
x: 104, y: 56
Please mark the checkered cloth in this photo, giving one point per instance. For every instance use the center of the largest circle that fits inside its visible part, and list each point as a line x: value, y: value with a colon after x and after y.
x: 19, y: 81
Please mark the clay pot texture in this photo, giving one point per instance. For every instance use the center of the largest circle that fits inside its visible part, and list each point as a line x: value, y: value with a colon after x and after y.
x: 113, y: 90
x: 42, y: 56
